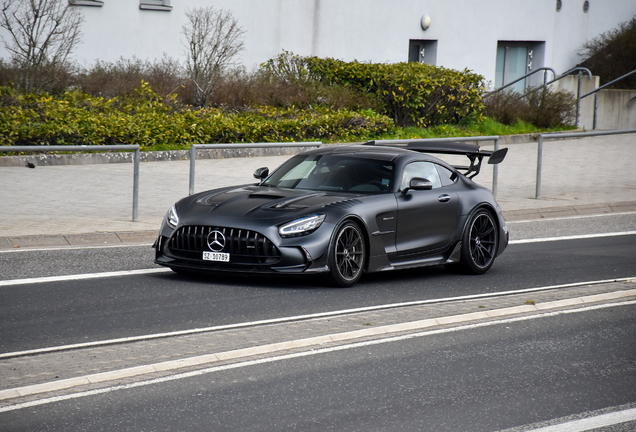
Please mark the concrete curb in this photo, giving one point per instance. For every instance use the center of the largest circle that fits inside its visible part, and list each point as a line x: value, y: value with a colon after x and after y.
x: 87, y: 239
x: 174, y: 365
x: 42, y: 159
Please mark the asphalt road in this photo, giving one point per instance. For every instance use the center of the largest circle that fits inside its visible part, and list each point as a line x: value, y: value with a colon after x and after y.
x: 517, y: 374
x: 64, y: 312
x: 505, y: 375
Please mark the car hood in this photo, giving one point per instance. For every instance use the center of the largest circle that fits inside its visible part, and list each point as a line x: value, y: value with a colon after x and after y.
x: 260, y: 202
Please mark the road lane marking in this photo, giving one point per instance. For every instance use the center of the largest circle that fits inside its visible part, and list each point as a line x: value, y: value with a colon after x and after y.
x: 573, y: 237
x: 302, y: 318
x: 74, y: 247
x: 570, y: 217
x: 12, y: 393
x: 75, y: 277
x: 591, y: 423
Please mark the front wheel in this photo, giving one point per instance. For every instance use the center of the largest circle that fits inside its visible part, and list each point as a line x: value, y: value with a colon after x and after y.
x: 347, y: 255
x: 479, y: 243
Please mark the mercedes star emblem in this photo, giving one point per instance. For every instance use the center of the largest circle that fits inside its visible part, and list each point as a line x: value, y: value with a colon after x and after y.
x: 216, y: 241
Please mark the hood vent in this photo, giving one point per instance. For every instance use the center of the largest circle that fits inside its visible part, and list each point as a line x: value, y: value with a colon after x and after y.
x: 267, y: 194
x: 345, y: 204
x: 286, y: 205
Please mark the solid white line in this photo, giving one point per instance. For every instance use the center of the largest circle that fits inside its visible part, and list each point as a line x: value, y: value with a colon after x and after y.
x: 55, y: 248
x: 574, y: 237
x: 590, y: 423
x: 302, y: 317
x: 303, y: 354
x: 569, y: 217
x: 81, y: 276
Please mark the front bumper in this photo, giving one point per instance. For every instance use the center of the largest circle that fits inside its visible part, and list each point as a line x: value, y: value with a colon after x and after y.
x: 249, y: 251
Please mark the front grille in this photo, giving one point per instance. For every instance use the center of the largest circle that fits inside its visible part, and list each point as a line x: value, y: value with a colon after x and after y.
x: 244, y: 246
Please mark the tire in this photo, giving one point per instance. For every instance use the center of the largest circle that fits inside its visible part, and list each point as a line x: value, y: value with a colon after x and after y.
x: 479, y: 243
x: 347, y: 255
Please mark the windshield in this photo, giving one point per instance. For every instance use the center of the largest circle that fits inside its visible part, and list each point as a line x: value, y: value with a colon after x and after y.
x: 334, y: 173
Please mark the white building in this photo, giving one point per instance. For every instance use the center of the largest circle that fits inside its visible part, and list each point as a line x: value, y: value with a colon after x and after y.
x: 499, y: 39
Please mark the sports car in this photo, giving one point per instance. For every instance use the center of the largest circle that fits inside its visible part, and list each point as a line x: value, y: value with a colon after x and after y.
x: 343, y: 211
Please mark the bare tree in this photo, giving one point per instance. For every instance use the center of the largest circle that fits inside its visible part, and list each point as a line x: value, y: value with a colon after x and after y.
x: 212, y: 40
x: 42, y: 33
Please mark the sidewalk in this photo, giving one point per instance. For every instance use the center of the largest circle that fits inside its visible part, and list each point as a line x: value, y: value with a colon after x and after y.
x: 92, y: 204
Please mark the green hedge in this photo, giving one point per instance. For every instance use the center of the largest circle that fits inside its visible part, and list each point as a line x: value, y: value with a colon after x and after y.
x: 75, y: 118
x: 413, y: 93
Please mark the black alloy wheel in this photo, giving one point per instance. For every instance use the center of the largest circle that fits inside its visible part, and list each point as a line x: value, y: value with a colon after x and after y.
x: 346, y: 260
x: 479, y: 246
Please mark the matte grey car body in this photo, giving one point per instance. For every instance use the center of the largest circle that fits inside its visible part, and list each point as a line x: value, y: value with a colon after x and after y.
x: 342, y: 211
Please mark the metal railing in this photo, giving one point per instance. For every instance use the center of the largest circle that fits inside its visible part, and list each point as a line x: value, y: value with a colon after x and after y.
x: 543, y: 137
x: 578, y: 86
x: 495, y: 138
x: 580, y: 70
x: 82, y: 148
x: 225, y: 146
x: 545, y: 78
x: 595, y: 93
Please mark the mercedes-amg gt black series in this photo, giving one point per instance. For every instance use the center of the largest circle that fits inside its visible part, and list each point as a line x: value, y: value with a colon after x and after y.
x: 343, y: 211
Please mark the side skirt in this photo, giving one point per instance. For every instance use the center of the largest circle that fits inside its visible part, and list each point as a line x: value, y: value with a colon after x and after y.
x: 445, y: 257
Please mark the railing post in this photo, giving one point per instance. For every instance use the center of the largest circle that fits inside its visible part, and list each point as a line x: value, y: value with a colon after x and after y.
x: 495, y: 171
x: 578, y: 99
x: 137, y: 156
x: 595, y: 107
x: 193, y: 155
x: 539, y: 167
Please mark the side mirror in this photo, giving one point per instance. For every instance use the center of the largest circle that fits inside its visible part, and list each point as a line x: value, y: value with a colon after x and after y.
x: 418, y: 183
x: 261, y: 173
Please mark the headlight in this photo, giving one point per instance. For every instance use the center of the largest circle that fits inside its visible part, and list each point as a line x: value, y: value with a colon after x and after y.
x: 302, y: 226
x: 173, y: 218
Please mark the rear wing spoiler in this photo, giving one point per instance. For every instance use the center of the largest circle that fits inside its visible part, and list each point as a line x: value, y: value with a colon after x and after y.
x: 472, y: 151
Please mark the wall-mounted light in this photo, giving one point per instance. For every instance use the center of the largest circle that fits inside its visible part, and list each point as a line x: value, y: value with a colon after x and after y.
x: 425, y: 22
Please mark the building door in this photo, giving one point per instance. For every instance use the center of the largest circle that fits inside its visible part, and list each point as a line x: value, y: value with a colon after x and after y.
x: 512, y: 63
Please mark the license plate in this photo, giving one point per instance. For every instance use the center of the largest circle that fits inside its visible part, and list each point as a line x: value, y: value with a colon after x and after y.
x: 216, y: 256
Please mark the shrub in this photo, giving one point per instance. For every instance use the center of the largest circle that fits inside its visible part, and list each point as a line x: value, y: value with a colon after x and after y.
x: 506, y: 106
x: 613, y: 54
x: 145, y: 118
x: 412, y: 93
x: 539, y: 106
x: 121, y: 78
x: 550, y: 108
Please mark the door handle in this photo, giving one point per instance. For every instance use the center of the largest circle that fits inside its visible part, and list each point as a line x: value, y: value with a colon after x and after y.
x: 444, y: 198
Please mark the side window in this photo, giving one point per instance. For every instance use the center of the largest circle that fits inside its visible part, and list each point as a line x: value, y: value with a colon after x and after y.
x: 447, y: 176
x: 422, y: 170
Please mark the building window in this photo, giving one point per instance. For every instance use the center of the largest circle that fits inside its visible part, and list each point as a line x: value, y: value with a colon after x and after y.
x: 97, y: 3
x: 423, y: 51
x: 158, y: 5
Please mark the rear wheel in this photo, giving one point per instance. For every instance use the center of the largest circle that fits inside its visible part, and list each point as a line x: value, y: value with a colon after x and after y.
x: 347, y: 255
x: 479, y: 243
